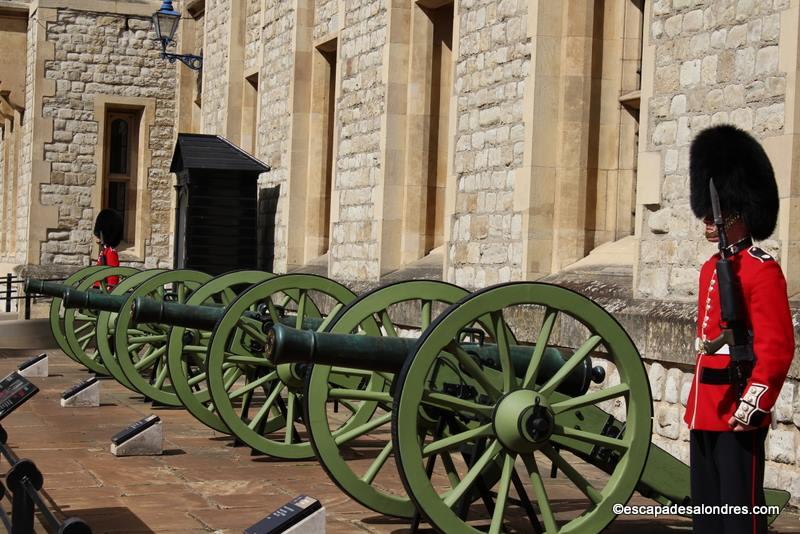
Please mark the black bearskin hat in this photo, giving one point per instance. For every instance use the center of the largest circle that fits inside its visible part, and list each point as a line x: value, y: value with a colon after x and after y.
x: 742, y: 175
x: 109, y: 223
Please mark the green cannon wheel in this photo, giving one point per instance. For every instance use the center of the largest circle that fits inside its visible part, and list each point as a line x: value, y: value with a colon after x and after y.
x: 517, y: 423
x: 187, y: 347
x: 141, y: 349
x: 80, y: 325
x: 356, y: 460
x: 107, y: 323
x: 259, y: 402
x: 57, y: 310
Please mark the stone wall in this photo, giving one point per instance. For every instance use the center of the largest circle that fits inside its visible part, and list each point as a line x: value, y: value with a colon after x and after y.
x: 26, y: 154
x: 493, y: 61
x: 354, y: 239
x: 275, y: 86
x: 715, y: 63
x: 113, y: 56
x: 253, y: 38
x: 325, y: 18
x: 215, y: 66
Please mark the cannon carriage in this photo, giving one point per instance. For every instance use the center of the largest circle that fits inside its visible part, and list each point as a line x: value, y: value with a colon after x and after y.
x: 469, y: 401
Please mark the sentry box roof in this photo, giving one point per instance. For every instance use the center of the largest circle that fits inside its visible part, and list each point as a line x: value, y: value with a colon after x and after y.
x: 212, y: 152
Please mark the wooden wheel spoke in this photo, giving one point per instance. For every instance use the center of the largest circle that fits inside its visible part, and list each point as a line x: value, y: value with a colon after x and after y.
x: 86, y: 316
x: 590, y: 398
x: 550, y: 526
x: 450, y: 469
x: 502, y: 494
x: 181, y: 292
x: 264, y: 410
x: 141, y: 340
x: 253, y: 385
x: 541, y: 344
x: 85, y: 343
x: 589, y: 437
x: 249, y: 360
x: 453, y: 496
x: 473, y: 369
x: 579, y: 480
x: 161, y: 377
x: 369, y: 426
x: 231, y: 376
x: 386, y: 321
x: 377, y: 464
x: 252, y: 328
x: 150, y: 358
x: 426, y: 313
x: 333, y: 313
x: 449, y: 402
x: 359, y: 394
x: 301, y: 309
x: 290, y: 405
x: 501, y: 333
x: 273, y: 311
x: 83, y: 327
x: 457, y: 439
x: 197, y: 349
x: 588, y: 346
x: 85, y: 337
x: 198, y: 378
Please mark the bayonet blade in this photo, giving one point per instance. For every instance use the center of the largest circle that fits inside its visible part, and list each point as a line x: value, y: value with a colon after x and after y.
x: 715, y: 209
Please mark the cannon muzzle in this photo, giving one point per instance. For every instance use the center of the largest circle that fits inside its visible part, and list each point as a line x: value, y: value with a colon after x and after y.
x: 92, y: 300
x: 371, y: 353
x: 40, y: 287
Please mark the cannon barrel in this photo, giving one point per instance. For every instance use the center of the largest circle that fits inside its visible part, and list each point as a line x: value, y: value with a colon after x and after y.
x: 93, y: 300
x: 373, y: 353
x: 145, y: 310
x: 40, y: 287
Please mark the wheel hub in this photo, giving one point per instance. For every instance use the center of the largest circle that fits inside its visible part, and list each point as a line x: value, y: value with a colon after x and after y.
x: 523, y: 421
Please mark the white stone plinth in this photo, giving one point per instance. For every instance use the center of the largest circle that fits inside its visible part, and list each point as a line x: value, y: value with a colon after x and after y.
x: 86, y: 397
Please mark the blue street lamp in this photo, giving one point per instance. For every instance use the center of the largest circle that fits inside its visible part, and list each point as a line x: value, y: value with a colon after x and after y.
x: 165, y: 24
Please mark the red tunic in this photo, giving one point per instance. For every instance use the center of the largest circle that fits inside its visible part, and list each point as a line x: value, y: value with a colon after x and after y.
x: 710, y: 406
x: 108, y: 256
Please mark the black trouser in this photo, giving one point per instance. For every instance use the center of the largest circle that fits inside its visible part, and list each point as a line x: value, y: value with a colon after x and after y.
x: 728, y: 468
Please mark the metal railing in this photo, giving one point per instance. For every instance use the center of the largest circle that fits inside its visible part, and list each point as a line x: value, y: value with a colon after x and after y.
x: 24, y: 481
x: 11, y: 290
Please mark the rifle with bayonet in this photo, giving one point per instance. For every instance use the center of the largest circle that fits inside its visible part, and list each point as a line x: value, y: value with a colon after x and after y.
x: 735, y: 333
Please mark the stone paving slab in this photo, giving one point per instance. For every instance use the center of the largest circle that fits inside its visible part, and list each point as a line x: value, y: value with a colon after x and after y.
x: 202, y: 483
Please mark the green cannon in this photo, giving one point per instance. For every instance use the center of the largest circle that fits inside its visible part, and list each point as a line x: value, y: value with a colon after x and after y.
x: 246, y: 378
x: 467, y: 419
x: 74, y: 329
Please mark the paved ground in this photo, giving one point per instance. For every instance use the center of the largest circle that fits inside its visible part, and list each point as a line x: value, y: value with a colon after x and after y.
x: 200, y: 484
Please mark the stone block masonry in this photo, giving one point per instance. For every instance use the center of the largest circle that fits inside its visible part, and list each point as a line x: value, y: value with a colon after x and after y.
x: 715, y: 62
x: 493, y: 61
x: 354, y: 241
x: 113, y: 56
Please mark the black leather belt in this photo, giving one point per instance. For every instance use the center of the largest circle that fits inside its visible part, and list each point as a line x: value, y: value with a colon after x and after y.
x: 716, y: 376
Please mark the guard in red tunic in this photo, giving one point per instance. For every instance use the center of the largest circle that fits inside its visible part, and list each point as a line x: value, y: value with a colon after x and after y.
x: 108, y: 231
x: 742, y: 362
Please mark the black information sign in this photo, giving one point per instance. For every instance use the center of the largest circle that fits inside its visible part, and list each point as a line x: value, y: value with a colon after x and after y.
x: 15, y: 389
x: 35, y: 359
x: 137, y: 427
x: 286, y: 516
x: 80, y: 386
